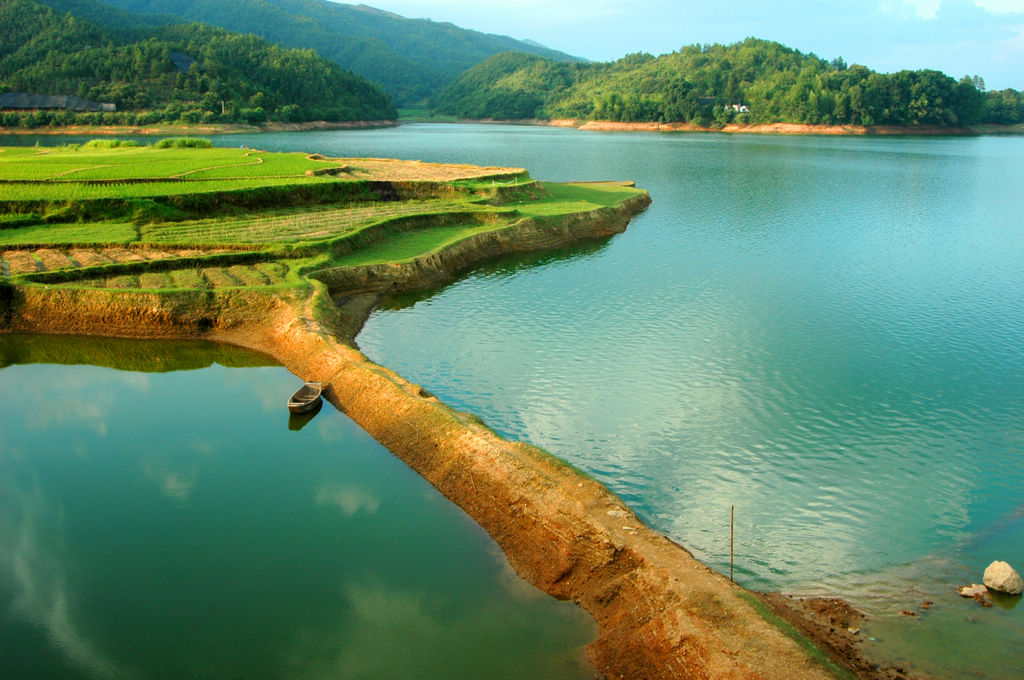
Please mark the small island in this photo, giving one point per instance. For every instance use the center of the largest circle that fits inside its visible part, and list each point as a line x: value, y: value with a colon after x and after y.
x: 287, y: 253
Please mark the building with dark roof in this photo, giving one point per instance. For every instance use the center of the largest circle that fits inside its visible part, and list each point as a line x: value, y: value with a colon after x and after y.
x: 22, y: 100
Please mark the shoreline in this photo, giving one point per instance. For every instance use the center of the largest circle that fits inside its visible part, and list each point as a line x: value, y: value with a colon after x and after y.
x: 756, y: 128
x: 579, y: 124
x: 661, y: 613
x: 170, y: 129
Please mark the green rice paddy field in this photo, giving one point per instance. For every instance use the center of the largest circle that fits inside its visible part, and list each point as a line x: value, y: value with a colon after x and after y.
x: 103, y: 213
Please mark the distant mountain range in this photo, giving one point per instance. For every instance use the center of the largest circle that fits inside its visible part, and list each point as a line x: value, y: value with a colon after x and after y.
x: 470, y: 74
x: 411, y: 59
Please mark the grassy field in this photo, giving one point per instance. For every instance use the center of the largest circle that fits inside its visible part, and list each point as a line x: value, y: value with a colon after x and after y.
x: 123, y: 216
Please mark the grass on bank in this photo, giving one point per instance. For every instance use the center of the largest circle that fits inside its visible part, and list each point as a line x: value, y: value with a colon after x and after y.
x: 408, y: 245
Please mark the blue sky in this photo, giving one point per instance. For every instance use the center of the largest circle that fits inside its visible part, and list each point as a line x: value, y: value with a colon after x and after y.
x: 958, y: 37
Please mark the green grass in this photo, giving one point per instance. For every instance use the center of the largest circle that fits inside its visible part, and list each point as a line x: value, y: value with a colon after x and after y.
x: 71, y: 191
x: 108, y: 143
x: 790, y: 631
x: 408, y: 245
x: 183, y: 143
x: 70, y: 234
x: 143, y: 162
x: 564, y: 199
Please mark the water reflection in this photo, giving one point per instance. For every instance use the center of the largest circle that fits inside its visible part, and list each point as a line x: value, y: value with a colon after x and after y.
x: 35, y: 581
x: 168, y: 525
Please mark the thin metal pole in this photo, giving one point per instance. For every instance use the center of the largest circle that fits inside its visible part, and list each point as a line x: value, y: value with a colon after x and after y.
x: 732, y: 518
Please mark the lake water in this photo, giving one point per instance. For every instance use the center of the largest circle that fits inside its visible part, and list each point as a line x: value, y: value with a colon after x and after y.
x: 825, y: 333
x: 162, y: 520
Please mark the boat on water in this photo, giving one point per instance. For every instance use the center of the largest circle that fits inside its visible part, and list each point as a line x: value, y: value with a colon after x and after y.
x: 306, y: 398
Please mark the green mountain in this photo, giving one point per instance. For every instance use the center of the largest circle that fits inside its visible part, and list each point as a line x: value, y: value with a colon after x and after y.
x: 411, y: 59
x: 174, y: 72
x: 753, y: 81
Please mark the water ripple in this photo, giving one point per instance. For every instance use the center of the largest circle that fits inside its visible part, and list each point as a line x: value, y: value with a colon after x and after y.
x: 823, y: 334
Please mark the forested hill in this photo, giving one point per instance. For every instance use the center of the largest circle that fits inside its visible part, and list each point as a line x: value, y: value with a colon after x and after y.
x: 753, y: 81
x: 179, y: 72
x: 412, y: 59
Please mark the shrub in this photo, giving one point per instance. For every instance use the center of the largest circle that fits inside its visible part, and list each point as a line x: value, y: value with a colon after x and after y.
x: 109, y: 143
x: 183, y: 143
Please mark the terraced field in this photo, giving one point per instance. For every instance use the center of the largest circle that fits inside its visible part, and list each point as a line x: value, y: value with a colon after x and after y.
x: 129, y: 217
x: 29, y: 260
x: 205, y: 278
x: 312, y: 225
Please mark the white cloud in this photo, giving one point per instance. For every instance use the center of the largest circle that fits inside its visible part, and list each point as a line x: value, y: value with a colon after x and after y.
x: 923, y: 9
x: 1001, y: 6
x: 349, y: 499
x: 929, y: 9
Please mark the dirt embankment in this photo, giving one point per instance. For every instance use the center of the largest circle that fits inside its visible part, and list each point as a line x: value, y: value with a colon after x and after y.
x: 661, y: 614
x: 753, y: 128
x: 774, y: 129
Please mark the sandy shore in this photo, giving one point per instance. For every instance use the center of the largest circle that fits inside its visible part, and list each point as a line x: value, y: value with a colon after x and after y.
x: 758, y: 128
x: 661, y: 614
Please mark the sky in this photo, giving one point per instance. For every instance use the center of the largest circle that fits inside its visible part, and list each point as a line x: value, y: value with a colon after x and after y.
x: 957, y: 37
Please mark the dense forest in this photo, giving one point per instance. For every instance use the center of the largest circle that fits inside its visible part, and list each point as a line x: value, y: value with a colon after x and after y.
x: 175, y: 72
x: 754, y: 81
x: 411, y: 59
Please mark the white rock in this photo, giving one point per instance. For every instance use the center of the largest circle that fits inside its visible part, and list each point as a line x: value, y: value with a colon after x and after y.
x: 1002, y: 577
x: 973, y: 590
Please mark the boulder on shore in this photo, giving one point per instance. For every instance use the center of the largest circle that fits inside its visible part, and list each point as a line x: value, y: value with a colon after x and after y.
x: 1002, y: 577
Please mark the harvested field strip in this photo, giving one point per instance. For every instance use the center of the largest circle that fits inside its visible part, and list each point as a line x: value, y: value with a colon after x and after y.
x: 193, y: 278
x: 89, y: 258
x: 154, y: 254
x: 122, y: 255
x: 54, y: 259
x: 316, y: 225
x: 22, y: 262
x: 138, y: 265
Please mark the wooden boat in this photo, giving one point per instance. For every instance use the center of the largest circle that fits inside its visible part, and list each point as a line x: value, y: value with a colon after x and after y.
x: 306, y: 398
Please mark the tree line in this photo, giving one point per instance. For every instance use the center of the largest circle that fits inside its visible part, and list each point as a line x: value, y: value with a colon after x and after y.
x: 230, y: 78
x: 753, y: 81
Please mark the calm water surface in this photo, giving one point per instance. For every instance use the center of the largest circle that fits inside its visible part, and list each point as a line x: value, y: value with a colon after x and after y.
x: 825, y: 333
x: 170, y: 524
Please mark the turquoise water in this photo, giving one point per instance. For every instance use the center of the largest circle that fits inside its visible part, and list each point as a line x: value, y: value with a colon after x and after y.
x: 825, y: 333
x: 166, y: 523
